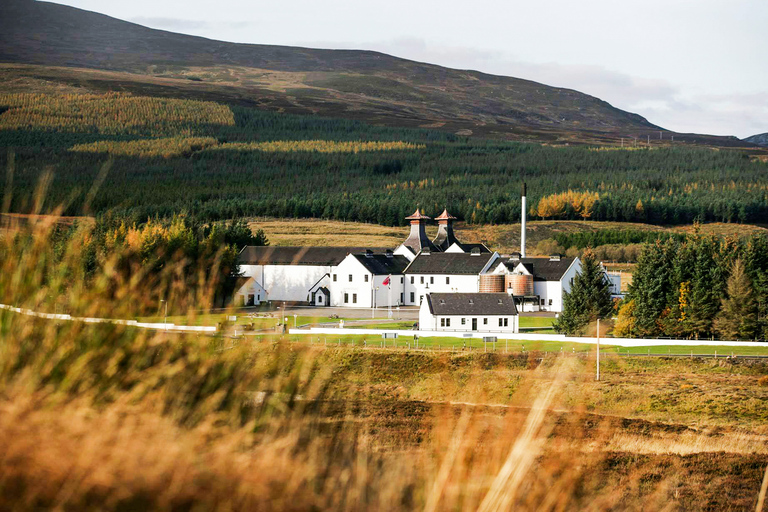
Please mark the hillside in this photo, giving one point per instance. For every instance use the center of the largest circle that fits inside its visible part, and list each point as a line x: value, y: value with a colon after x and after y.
x: 760, y: 139
x: 63, y: 47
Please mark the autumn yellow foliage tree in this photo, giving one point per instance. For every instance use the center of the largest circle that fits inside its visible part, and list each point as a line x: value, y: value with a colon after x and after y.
x: 567, y: 203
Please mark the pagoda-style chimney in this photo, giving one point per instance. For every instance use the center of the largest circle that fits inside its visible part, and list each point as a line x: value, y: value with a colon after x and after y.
x: 522, y: 224
x: 445, y: 237
x: 417, y: 239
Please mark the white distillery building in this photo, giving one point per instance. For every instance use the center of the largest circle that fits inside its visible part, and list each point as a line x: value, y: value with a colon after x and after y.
x: 369, y: 280
x: 469, y: 312
x: 294, y: 274
x: 538, y: 283
x: 445, y: 272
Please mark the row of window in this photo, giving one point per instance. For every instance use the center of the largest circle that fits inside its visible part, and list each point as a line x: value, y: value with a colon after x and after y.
x: 365, y: 278
x: 446, y: 322
x: 431, y: 279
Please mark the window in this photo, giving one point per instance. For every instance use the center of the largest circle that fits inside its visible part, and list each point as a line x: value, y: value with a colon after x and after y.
x: 447, y: 322
x: 442, y: 322
x: 501, y: 323
x: 354, y: 298
x: 411, y: 279
x: 402, y: 280
x: 346, y: 298
x: 413, y: 298
x: 334, y: 278
x: 506, y: 322
x: 432, y: 280
x: 542, y: 302
x: 485, y: 321
x: 463, y: 321
x: 350, y: 278
x: 550, y: 302
x: 258, y: 297
x: 365, y: 278
x: 422, y: 279
x: 402, y: 298
x: 447, y: 280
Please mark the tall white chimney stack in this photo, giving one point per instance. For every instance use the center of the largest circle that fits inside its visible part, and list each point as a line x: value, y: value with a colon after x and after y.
x: 522, y: 225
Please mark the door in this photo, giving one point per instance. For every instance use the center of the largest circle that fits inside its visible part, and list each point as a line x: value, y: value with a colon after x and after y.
x: 474, y: 324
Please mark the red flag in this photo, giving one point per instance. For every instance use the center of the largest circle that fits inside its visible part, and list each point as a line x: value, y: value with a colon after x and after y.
x: 386, y: 281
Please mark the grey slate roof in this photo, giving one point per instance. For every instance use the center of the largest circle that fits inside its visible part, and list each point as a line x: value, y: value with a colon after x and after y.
x: 448, y: 263
x: 381, y: 264
x: 446, y: 304
x: 469, y: 247
x: 542, y: 269
x: 320, y: 256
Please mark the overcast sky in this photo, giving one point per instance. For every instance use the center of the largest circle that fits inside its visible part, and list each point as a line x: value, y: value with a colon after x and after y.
x: 687, y: 65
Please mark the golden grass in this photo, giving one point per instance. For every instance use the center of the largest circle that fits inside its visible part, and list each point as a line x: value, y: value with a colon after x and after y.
x: 96, y: 417
x: 503, y: 238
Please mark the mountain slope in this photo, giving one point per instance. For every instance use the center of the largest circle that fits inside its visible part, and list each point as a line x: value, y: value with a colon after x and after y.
x: 355, y: 84
x: 760, y: 139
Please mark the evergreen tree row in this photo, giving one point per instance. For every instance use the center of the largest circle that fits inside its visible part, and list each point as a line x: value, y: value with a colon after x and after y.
x: 702, y: 287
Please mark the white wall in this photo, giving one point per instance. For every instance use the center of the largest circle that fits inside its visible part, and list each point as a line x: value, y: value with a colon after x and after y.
x: 250, y: 288
x: 286, y: 282
x: 404, y: 251
x: 428, y: 322
x: 458, y: 283
x: 364, y: 290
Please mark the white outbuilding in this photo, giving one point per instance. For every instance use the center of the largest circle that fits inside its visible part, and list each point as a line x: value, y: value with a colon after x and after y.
x: 369, y: 280
x: 469, y: 312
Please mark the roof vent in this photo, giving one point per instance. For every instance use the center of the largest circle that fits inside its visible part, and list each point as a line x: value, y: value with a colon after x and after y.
x: 555, y: 257
x: 389, y: 253
x: 425, y: 251
x: 500, y: 301
x: 368, y: 253
x: 471, y: 301
x: 442, y: 301
x: 515, y: 256
x: 475, y: 251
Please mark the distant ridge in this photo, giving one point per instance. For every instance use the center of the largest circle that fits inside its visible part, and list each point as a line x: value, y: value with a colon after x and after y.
x: 760, y: 139
x: 96, y: 52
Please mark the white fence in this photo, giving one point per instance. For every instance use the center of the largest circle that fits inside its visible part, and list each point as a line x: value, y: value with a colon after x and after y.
x: 131, y: 323
x: 621, y: 342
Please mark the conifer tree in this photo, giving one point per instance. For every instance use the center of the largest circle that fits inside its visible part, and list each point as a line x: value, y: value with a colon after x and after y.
x: 652, y: 288
x: 738, y: 314
x: 588, y: 300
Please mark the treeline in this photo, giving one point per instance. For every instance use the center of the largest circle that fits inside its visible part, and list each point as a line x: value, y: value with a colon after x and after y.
x: 477, y: 180
x: 152, y: 257
x: 583, y: 239
x: 701, y: 287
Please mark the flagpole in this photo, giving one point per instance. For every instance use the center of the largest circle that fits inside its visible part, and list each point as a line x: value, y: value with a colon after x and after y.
x: 389, y: 298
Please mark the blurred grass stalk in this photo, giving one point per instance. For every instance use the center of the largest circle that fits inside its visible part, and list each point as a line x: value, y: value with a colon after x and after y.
x: 96, y: 417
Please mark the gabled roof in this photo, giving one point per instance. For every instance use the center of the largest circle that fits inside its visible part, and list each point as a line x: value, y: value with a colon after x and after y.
x: 469, y: 247
x: 448, y: 263
x: 446, y: 304
x: 320, y: 256
x: 542, y: 269
x: 381, y: 264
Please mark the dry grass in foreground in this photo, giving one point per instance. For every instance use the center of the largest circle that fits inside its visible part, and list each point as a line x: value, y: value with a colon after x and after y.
x: 103, y: 417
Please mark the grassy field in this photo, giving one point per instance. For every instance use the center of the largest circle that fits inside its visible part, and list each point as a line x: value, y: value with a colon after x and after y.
x: 504, y: 238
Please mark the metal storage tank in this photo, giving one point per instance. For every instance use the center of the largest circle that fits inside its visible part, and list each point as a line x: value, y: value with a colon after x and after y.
x: 521, y: 284
x: 491, y: 283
